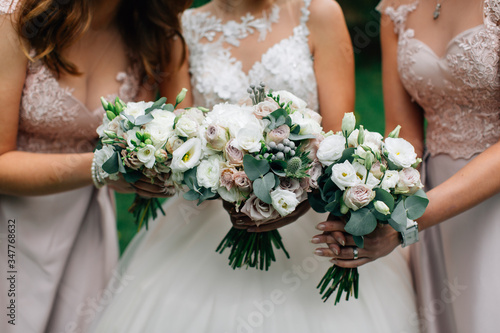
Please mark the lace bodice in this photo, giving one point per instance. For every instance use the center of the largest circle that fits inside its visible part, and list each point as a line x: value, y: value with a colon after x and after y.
x: 51, y: 120
x: 217, y: 76
x: 459, y: 92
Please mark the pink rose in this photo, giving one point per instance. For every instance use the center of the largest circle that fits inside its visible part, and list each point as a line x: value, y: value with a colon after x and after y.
x: 312, y: 146
x: 358, y: 196
x: 242, y: 182
x: 233, y: 154
x: 227, y: 178
x: 265, y: 107
x: 295, y: 186
x: 279, y: 134
x: 409, y: 181
x: 131, y: 160
x: 314, y: 173
x: 258, y: 210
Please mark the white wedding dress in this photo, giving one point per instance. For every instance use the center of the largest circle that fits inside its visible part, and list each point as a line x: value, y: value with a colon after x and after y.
x: 174, y: 281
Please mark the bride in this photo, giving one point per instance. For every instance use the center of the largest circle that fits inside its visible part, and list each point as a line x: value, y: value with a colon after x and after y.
x: 176, y: 280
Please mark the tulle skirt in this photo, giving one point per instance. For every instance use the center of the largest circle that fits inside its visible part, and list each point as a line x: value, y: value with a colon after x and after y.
x: 172, y: 280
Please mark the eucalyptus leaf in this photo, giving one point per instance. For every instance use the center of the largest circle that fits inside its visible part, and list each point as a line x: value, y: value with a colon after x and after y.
x: 255, y: 168
x: 121, y: 167
x: 359, y: 241
x: 416, y: 204
x: 132, y: 177
x: 316, y: 203
x: 362, y: 222
x: 398, y: 227
x: 190, y: 179
x: 385, y: 196
x: 398, y: 216
x: 111, y: 165
x: 278, y: 167
x: 298, y: 137
x: 205, y: 194
x: 130, y: 118
x: 191, y: 195
x: 262, y: 187
x: 156, y: 105
x: 168, y: 107
x: 141, y: 120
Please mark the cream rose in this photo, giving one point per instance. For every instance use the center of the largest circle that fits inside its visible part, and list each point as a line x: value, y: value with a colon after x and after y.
x: 233, y: 154
x: 265, y: 107
x: 242, y: 181
x: 186, y: 127
x: 409, y: 181
x: 249, y: 139
x: 279, y: 134
x: 217, y: 137
x: 358, y: 196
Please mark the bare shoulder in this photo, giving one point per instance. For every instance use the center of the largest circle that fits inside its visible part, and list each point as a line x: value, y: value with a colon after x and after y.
x: 325, y: 12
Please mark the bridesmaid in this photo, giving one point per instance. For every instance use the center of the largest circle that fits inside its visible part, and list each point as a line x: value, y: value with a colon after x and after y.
x: 58, y: 240
x: 447, y: 56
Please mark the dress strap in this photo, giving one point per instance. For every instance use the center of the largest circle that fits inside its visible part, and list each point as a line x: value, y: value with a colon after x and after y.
x: 305, y: 12
x: 398, y: 11
x: 492, y: 13
x: 8, y: 6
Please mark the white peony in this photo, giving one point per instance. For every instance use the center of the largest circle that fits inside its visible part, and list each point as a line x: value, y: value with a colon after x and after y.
x: 307, y: 124
x: 186, y: 156
x: 208, y: 173
x: 331, y: 149
x: 147, y: 155
x: 249, y: 139
x: 160, y: 128
x: 186, y: 127
x: 344, y: 175
x: 284, y: 201
x: 137, y: 109
x: 400, y: 152
x: 286, y: 97
x: 232, y: 117
x: 390, y: 180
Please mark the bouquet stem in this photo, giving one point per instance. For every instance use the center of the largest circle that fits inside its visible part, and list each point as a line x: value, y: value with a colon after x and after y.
x: 144, y: 210
x: 343, y: 279
x: 251, y: 249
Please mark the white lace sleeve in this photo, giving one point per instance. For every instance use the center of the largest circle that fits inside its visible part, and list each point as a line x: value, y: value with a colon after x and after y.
x: 394, y: 4
x: 8, y: 6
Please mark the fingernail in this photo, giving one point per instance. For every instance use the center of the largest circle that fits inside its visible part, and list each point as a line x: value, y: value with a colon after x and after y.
x: 336, y: 251
x: 320, y: 227
x: 315, y: 240
x: 341, y: 241
x: 318, y: 252
x: 239, y: 221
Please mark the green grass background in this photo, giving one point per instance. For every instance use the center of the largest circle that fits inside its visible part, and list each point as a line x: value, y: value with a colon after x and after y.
x: 369, y: 101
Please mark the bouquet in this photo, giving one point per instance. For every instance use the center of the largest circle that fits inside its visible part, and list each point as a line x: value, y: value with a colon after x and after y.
x: 260, y: 159
x: 148, y: 140
x: 367, y: 180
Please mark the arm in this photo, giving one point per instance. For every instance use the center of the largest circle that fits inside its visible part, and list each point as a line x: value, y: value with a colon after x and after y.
x: 333, y: 62
x: 177, y: 76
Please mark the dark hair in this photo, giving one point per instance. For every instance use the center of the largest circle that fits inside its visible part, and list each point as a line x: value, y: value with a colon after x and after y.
x: 147, y: 28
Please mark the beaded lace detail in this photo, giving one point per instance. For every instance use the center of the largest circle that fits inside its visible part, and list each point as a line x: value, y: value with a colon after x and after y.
x: 218, y: 77
x: 51, y: 120
x: 8, y: 6
x: 459, y: 92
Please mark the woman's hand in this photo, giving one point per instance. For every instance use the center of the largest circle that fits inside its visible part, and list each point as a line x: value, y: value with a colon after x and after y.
x: 341, y: 245
x: 145, y: 187
x: 242, y: 221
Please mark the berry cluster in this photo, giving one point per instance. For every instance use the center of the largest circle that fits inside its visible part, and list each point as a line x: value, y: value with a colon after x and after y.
x: 279, y: 151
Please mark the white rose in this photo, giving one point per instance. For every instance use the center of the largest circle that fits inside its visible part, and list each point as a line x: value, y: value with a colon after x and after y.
x: 101, y: 156
x: 409, y: 181
x: 284, y: 201
x: 249, y: 139
x: 358, y: 196
x: 331, y: 149
x: 400, y: 152
x: 161, y: 128
x: 186, y: 127
x: 390, y: 180
x: 147, y: 155
x: 361, y: 172
x: 307, y: 124
x: 195, y: 114
x: 186, y: 156
x: 286, y: 97
x: 137, y: 109
x: 208, y: 173
x: 344, y: 175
